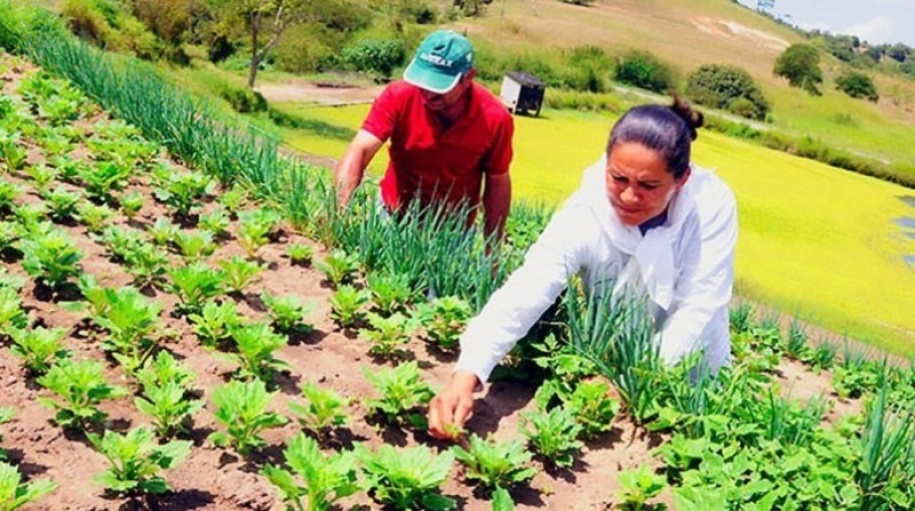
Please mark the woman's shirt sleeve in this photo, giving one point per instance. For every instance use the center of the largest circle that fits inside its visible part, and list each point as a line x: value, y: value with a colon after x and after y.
x: 528, y: 292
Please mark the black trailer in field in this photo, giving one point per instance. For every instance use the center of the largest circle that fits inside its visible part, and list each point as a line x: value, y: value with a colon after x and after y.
x: 522, y: 93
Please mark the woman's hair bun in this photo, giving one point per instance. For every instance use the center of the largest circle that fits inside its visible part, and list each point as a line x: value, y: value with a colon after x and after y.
x: 693, y: 118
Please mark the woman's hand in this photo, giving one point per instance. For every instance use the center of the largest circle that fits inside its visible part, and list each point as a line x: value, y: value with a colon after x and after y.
x: 450, y: 409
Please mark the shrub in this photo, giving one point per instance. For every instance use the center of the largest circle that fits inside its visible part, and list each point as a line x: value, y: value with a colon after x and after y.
x: 243, y: 100
x: 375, y: 56
x: 645, y: 70
x: 857, y: 85
x: 800, y: 64
x: 729, y: 88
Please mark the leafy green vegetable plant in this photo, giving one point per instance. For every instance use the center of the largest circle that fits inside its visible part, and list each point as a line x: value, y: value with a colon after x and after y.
x: 104, y: 179
x: 93, y: 216
x: 168, y: 406
x: 402, y: 391
x: 80, y: 387
x: 6, y: 414
x: 136, y: 459
x: 164, y: 369
x: 390, y: 293
x: 184, y: 191
x: 592, y: 407
x: 299, y: 254
x: 12, y: 155
x: 216, y: 222
x: 9, y: 191
x: 129, y: 318
x: 38, y: 347
x: 408, y: 478
x: 14, y: 493
x: 194, y: 284
x: 242, y: 408
x: 323, y: 409
x: 444, y: 320
x: 194, y: 245
x: 11, y: 313
x: 288, y: 312
x: 53, y: 258
x: 346, y: 305
x: 639, y: 486
x: 254, y: 229
x: 326, y: 479
x: 234, y: 198
x: 42, y: 176
x: 240, y: 272
x: 215, y: 321
x: 388, y: 334
x: 339, y: 267
x: 256, y: 344
x: 162, y: 231
x: 63, y: 203
x: 493, y: 464
x: 131, y: 203
x: 553, y: 435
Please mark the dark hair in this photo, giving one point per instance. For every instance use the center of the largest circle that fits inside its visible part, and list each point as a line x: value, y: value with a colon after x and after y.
x: 666, y: 129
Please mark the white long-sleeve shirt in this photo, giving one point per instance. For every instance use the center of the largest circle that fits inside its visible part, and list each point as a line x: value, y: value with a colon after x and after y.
x: 684, y: 266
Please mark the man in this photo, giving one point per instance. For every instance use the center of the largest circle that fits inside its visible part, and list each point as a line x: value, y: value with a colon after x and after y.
x: 450, y: 137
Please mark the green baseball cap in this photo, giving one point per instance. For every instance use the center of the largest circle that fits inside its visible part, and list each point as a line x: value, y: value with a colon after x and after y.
x: 440, y: 61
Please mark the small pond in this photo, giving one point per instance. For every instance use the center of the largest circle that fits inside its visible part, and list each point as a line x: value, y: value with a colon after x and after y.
x: 908, y: 226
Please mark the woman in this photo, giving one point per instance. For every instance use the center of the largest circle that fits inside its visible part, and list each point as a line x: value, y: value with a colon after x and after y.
x: 643, y: 218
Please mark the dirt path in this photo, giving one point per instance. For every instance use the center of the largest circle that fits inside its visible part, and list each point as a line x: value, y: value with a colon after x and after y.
x: 323, y: 93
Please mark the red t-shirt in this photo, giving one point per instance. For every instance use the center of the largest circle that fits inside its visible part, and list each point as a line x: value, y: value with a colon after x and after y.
x: 435, y: 163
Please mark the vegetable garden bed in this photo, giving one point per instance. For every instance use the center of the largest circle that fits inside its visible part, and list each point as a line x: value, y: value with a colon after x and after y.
x: 179, y: 301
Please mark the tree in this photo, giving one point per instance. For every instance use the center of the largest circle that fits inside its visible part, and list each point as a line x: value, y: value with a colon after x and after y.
x: 265, y: 21
x: 645, y: 70
x: 729, y: 88
x: 800, y: 64
x: 857, y: 85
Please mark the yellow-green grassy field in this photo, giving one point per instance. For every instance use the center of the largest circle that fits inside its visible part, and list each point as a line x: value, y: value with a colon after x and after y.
x: 814, y: 240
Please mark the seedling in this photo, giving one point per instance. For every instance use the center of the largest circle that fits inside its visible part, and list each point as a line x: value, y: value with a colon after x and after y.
x: 14, y: 494
x: 11, y: 313
x: 299, y: 254
x: 194, y: 245
x: 146, y: 263
x: 326, y: 479
x: 346, y: 305
x: 408, y: 478
x: 42, y: 176
x: 53, y: 258
x: 63, y: 203
x: 9, y: 191
x: 255, y: 228
x: 388, y: 334
x: 168, y: 406
x: 444, y: 320
x: 131, y: 203
x: 495, y: 465
x: 38, y: 348
x: 136, y: 459
x: 553, y: 435
x: 240, y: 273
x: 256, y: 344
x: 233, y: 199
x: 390, y: 293
x: 12, y: 155
x: 242, y: 409
x: 402, y: 392
x: 638, y: 487
x: 288, y: 312
x: 93, y: 216
x: 164, y: 369
x: 194, y: 284
x: 80, y: 387
x: 184, y: 191
x: 103, y: 180
x: 592, y: 407
x: 162, y: 231
x: 216, y: 222
x: 6, y: 414
x: 339, y: 267
x: 129, y: 318
x: 214, y: 322
x: 323, y: 409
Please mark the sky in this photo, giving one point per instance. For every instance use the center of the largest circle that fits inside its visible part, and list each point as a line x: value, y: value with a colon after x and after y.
x: 874, y: 21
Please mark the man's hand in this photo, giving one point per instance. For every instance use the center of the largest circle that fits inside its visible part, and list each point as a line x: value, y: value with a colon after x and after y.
x: 351, y: 169
x: 450, y: 409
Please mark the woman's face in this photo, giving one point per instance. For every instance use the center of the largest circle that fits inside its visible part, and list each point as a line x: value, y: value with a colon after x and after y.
x: 639, y: 186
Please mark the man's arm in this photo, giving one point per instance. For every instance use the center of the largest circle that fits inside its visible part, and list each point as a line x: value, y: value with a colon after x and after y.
x: 497, y: 198
x: 351, y: 169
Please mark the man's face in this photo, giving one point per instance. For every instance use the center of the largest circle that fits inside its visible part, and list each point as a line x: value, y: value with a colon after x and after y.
x: 441, y: 102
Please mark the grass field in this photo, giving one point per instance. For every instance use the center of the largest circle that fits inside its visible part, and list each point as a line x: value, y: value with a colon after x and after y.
x: 814, y: 240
